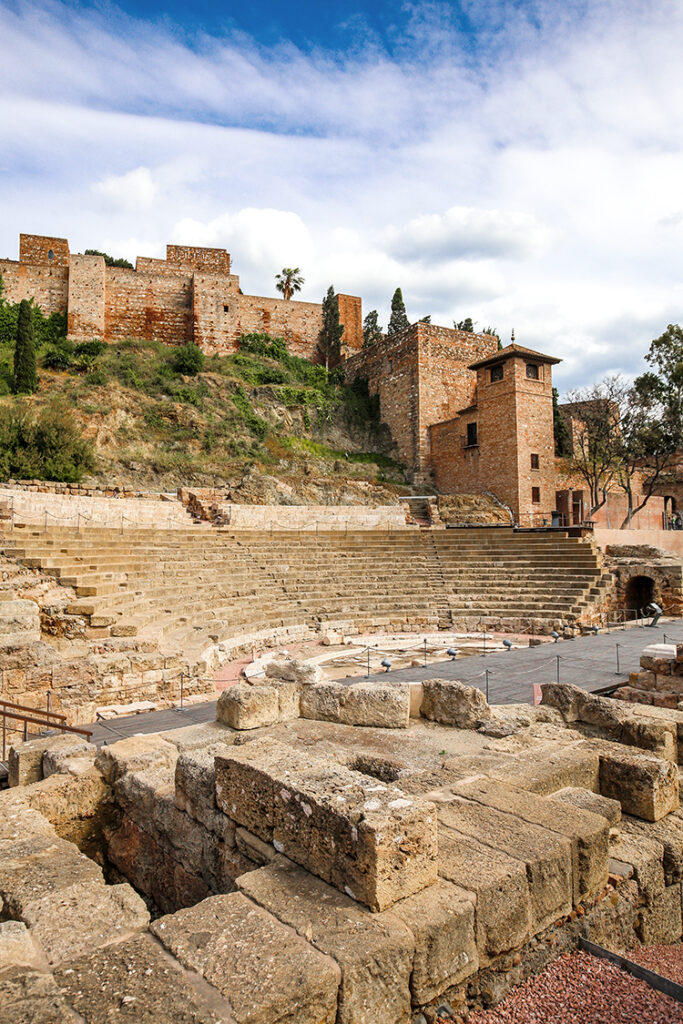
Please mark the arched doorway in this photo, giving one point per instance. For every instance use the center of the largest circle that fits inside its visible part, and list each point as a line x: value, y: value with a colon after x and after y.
x: 639, y: 591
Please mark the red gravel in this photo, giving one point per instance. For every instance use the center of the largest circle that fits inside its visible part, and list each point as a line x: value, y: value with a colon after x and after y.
x: 665, y: 960
x: 578, y: 988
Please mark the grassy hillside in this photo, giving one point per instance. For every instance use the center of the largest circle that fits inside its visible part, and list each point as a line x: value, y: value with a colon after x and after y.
x: 260, y: 421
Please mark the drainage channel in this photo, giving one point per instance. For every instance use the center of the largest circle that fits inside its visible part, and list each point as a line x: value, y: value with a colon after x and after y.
x: 654, y: 980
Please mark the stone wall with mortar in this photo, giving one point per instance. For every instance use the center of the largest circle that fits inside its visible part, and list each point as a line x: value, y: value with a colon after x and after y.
x: 191, y: 295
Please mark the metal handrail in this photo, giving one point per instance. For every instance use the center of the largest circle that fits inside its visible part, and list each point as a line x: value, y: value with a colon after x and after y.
x: 42, y: 720
x: 24, y: 707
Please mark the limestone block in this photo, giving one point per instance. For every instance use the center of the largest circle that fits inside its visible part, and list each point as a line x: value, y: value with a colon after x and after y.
x: 373, y: 705
x: 253, y: 848
x: 547, y: 855
x: 453, y: 703
x: 25, y: 763
x: 322, y: 702
x: 30, y: 996
x: 374, y: 951
x: 33, y: 868
x: 17, y: 948
x: 288, y: 698
x: 295, y: 671
x: 660, y: 923
x: 198, y: 737
x: 83, y: 917
x: 18, y: 820
x: 134, y: 754
x: 646, y: 857
x: 195, y: 784
x: 441, y: 919
x: 588, y: 801
x: 135, y: 981
x: 63, y: 749
x: 669, y: 832
x: 248, y: 707
x: 137, y: 793
x: 587, y: 833
x: 573, y: 765
x: 228, y: 940
x: 19, y: 623
x: 499, y: 883
x: 364, y: 837
x: 74, y: 805
x: 646, y: 786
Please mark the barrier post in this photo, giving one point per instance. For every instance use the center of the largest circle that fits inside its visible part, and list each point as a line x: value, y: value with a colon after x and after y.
x: 368, y: 662
x: 618, y: 672
x: 487, y: 685
x: 425, y: 652
x: 557, y: 659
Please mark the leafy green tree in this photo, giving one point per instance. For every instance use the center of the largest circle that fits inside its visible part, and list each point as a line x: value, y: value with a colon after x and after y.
x: 25, y: 374
x: 329, y: 339
x: 563, y: 441
x: 50, y: 447
x: 464, y: 325
x: 662, y: 388
x: 188, y: 360
x: 289, y: 281
x: 372, y: 332
x: 111, y: 261
x: 426, y: 319
x: 398, y: 321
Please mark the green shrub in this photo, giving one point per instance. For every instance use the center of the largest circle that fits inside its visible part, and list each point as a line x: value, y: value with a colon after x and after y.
x: 254, y: 424
x: 92, y: 348
x: 188, y: 360
x: 56, y: 359
x: 50, y: 447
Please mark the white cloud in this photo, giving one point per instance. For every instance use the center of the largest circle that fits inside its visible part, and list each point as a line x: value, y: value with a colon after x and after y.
x: 128, y: 191
x: 529, y: 177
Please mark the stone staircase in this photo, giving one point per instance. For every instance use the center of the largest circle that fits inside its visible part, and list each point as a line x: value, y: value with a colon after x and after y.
x: 192, y: 587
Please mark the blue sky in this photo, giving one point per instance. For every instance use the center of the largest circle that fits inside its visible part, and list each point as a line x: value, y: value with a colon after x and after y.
x: 517, y: 162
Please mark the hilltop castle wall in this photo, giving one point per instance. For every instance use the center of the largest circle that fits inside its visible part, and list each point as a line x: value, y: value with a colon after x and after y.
x: 189, y: 296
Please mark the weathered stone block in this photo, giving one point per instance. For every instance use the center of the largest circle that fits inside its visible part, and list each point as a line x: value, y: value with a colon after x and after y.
x: 228, y: 939
x: 30, y: 996
x: 25, y: 762
x: 587, y: 833
x: 134, y: 754
x: 17, y: 948
x: 322, y: 702
x: 375, y: 706
x: 453, y: 703
x: 588, y: 801
x: 646, y: 857
x: 136, y: 981
x: 669, y: 832
x: 83, y: 917
x: 573, y: 765
x: 293, y: 670
x: 374, y: 951
x: 547, y: 855
x: 646, y: 786
x: 501, y: 887
x: 33, y: 868
x: 248, y: 707
x: 365, y: 838
x: 660, y: 923
x: 441, y: 919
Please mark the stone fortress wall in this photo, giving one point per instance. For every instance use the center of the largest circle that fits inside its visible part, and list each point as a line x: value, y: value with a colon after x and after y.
x: 189, y: 296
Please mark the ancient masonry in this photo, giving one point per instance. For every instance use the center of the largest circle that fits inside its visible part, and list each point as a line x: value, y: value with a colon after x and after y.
x: 189, y: 296
x: 326, y: 853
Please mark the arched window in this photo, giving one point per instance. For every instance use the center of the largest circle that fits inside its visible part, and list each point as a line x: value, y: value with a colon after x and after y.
x: 50, y: 254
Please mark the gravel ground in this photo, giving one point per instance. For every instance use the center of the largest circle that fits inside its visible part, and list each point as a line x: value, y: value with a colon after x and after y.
x: 578, y: 988
x: 665, y: 960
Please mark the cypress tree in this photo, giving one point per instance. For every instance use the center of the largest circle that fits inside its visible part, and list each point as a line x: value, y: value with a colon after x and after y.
x: 329, y: 339
x: 25, y: 375
x: 398, y: 320
x: 372, y: 332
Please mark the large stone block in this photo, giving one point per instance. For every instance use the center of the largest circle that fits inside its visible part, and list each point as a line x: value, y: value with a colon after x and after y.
x: 499, y: 883
x: 25, y: 762
x: 547, y: 855
x: 660, y: 923
x: 195, y: 790
x: 83, y: 917
x: 453, y: 703
x: 17, y: 948
x: 198, y: 737
x: 544, y: 773
x: 29, y: 996
x: 322, y: 702
x: 41, y: 866
x: 18, y: 820
x: 364, y: 837
x: 646, y: 857
x: 134, y: 754
x: 374, y: 951
x: 646, y: 786
x: 669, y: 832
x: 268, y: 973
x: 587, y: 833
x: 136, y: 982
x: 292, y: 670
x: 588, y: 801
x: 248, y: 707
x: 441, y: 919
x: 376, y: 706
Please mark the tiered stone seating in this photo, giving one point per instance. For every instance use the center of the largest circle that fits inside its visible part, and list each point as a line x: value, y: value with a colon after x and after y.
x: 190, y: 587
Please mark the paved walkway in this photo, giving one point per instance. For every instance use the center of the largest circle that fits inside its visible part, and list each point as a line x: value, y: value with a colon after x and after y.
x: 589, y: 662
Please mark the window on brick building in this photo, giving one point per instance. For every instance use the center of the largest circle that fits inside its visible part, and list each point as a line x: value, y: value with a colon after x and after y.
x: 536, y: 495
x: 391, y: 366
x: 534, y: 462
x: 471, y: 434
x: 226, y: 309
x: 496, y: 373
x: 532, y: 371
x: 50, y: 254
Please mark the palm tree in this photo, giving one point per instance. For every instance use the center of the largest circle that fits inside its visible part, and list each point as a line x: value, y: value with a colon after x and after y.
x: 289, y: 281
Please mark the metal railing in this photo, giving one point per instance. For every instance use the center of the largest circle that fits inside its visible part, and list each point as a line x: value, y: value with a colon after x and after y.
x: 27, y: 716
